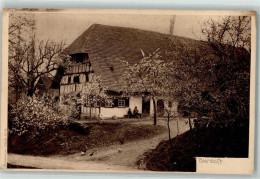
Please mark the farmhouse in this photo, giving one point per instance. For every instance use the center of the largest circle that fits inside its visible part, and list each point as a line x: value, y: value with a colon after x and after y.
x: 102, y: 50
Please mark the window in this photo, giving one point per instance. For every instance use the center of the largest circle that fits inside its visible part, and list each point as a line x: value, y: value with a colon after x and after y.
x: 69, y: 79
x: 108, y: 104
x: 76, y: 79
x: 87, y: 79
x: 169, y: 104
x: 79, y: 59
x: 121, y: 103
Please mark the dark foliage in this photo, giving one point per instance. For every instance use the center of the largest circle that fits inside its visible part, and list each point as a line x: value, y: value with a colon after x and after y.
x: 80, y: 128
x: 213, y: 141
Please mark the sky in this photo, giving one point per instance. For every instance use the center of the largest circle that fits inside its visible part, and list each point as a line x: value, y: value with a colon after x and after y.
x: 68, y: 26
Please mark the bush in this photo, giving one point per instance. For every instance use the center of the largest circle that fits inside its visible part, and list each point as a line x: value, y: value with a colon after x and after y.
x: 78, y: 127
x: 35, y: 116
x: 72, y: 105
x: 216, y: 140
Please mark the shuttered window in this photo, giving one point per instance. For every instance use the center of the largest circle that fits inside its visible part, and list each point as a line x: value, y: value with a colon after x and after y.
x: 121, y: 103
x: 108, y: 104
x: 116, y: 103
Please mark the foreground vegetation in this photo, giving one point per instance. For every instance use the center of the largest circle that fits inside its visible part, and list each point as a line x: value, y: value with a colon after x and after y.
x: 212, y: 141
x: 65, y: 141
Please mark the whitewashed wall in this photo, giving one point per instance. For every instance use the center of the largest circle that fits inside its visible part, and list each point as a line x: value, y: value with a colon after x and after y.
x: 110, y: 112
x: 117, y: 111
x: 104, y: 112
x: 151, y: 106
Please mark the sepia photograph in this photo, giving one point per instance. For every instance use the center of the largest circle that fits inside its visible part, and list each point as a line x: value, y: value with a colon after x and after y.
x: 128, y: 90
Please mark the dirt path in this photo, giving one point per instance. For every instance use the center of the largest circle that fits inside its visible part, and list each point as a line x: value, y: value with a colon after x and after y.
x: 61, y: 164
x: 128, y: 153
x: 119, y: 157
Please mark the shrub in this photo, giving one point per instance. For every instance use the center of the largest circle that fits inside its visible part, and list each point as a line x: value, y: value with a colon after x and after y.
x: 80, y: 128
x: 35, y: 116
x: 72, y: 105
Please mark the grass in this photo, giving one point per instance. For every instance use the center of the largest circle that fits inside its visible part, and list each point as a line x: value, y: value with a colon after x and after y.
x: 65, y: 142
x: 230, y: 141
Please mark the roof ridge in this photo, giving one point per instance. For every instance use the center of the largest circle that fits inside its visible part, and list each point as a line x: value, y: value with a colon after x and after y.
x: 142, y: 30
x: 122, y: 27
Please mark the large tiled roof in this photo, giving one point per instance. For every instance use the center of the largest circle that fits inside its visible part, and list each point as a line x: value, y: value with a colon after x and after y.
x: 108, y: 46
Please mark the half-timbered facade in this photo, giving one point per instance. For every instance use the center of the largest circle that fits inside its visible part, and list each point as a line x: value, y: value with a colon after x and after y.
x: 76, y: 74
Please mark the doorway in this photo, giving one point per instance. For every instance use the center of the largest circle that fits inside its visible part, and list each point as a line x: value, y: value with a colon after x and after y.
x: 146, y: 106
x: 160, y: 107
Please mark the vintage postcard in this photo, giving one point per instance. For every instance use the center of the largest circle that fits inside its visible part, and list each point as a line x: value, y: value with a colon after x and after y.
x: 128, y: 90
